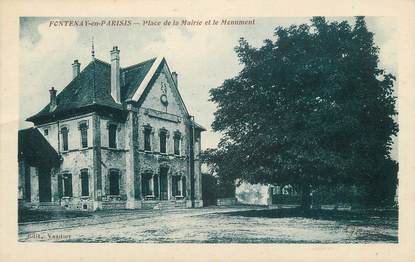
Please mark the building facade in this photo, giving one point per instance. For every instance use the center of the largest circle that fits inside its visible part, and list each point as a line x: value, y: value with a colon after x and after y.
x: 118, y: 138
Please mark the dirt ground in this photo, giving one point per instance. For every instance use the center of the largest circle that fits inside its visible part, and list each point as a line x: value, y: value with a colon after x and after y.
x: 216, y: 225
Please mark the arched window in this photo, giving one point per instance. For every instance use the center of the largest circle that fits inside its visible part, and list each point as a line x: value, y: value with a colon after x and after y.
x: 147, y: 184
x: 67, y: 185
x: 114, y: 182
x: 84, y: 182
x: 177, y: 185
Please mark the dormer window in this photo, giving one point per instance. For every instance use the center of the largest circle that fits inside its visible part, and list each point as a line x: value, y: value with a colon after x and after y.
x: 46, y: 132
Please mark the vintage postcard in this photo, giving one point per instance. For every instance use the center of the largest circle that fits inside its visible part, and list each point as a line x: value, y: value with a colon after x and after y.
x: 186, y: 128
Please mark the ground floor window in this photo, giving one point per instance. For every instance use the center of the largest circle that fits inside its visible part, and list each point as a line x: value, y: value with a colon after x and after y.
x: 177, y: 185
x: 84, y: 182
x: 114, y: 179
x: 67, y: 185
x: 158, y: 185
x: 184, y: 186
x: 147, y: 185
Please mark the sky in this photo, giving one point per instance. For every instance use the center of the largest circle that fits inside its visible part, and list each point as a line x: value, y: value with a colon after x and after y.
x: 203, y: 56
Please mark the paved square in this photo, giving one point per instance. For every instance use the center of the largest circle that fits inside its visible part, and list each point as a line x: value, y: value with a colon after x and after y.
x: 210, y: 225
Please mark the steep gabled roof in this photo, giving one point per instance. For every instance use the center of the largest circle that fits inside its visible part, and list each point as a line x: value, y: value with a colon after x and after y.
x: 145, y: 86
x: 92, y: 87
x: 35, y: 149
x: 133, y: 76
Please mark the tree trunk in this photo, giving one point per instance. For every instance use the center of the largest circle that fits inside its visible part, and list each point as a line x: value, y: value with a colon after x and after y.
x: 306, y: 198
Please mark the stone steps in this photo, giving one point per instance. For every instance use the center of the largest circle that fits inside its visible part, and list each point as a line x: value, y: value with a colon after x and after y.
x: 167, y: 204
x: 47, y: 206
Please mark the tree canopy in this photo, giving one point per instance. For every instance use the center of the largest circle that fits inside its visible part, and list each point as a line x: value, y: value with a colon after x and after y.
x: 311, y: 107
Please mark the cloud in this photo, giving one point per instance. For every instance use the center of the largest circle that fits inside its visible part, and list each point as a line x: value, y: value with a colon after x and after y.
x: 385, y: 36
x: 40, y: 65
x: 202, y: 56
x: 52, y: 46
x: 203, y: 60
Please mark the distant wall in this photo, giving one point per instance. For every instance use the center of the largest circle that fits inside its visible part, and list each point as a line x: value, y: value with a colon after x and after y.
x: 228, y: 201
x: 253, y: 194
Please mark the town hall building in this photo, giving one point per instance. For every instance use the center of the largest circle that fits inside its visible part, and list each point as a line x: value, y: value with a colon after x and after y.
x: 114, y: 137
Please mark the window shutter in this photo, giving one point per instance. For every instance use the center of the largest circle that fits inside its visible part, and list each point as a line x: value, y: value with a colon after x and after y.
x: 60, y: 191
x: 69, y: 181
x: 156, y: 185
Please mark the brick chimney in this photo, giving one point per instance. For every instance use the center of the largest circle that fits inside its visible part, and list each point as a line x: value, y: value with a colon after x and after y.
x: 76, y: 69
x: 115, y: 74
x: 174, y: 75
x: 52, y: 103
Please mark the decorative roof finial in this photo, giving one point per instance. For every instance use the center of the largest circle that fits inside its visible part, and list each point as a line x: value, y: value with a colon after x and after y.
x: 92, y: 49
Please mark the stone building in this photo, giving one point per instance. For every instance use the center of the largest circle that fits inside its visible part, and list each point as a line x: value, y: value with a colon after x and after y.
x: 114, y: 137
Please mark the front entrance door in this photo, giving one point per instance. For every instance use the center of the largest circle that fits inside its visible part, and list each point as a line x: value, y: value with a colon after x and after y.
x: 163, y: 183
x: 45, y: 194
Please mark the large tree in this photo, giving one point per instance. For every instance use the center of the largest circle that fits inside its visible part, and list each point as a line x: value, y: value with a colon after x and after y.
x: 309, y: 108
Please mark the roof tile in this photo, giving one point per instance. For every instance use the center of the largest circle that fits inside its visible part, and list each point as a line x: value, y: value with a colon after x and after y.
x: 93, y: 87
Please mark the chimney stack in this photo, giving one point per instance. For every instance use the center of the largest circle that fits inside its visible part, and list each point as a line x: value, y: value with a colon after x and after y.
x: 76, y: 69
x: 115, y: 74
x: 53, y: 103
x: 174, y: 75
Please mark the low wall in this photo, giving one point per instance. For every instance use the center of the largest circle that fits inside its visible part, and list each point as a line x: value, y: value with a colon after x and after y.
x: 253, y: 194
x: 229, y: 201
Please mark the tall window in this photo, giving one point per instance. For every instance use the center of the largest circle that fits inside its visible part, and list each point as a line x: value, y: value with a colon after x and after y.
x: 67, y: 185
x: 84, y: 182
x: 147, y: 185
x: 183, y: 186
x: 64, y: 132
x: 147, y: 143
x: 112, y: 135
x: 156, y: 185
x: 114, y: 182
x: 176, y: 185
x: 177, y: 143
x: 163, y: 138
x: 83, y: 127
